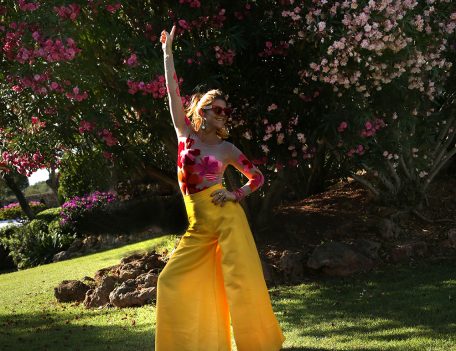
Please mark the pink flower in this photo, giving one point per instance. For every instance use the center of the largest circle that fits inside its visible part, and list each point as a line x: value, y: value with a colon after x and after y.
x: 208, y: 167
x: 321, y: 26
x: 342, y: 126
x: 132, y: 60
x: 107, y: 155
x: 108, y: 138
x: 113, y: 8
x: 183, y: 23
x: 85, y: 126
x: 272, y: 107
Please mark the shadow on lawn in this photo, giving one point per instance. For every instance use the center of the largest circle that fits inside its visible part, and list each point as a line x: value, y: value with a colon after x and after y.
x: 369, y: 305
x: 54, y: 330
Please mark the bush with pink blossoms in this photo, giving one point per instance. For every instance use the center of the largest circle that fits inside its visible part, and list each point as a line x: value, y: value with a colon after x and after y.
x: 303, y: 80
x: 77, y: 207
x: 14, y: 210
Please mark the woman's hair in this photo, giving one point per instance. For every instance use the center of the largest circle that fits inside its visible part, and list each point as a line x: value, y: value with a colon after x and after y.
x: 197, y: 102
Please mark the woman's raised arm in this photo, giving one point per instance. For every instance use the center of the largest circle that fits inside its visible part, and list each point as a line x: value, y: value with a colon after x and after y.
x: 176, y: 106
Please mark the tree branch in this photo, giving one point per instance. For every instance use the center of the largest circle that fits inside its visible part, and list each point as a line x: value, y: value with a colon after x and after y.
x: 366, y: 183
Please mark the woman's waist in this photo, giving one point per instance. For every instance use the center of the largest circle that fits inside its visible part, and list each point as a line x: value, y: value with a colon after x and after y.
x: 202, y: 195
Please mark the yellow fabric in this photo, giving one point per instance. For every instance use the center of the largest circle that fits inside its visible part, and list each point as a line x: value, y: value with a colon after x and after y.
x: 215, y: 277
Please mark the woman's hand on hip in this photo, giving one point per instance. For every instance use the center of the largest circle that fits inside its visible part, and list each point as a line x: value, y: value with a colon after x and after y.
x: 167, y: 40
x: 221, y: 196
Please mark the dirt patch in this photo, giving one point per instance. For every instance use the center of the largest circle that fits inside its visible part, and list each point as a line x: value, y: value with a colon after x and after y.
x: 346, y: 212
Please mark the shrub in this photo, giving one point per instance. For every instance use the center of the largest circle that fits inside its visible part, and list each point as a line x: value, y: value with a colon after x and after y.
x: 49, y: 214
x: 83, y: 173
x: 35, y: 243
x: 78, y: 207
x: 14, y: 210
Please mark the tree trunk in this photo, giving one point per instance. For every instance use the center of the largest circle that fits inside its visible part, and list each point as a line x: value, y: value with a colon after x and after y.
x: 53, y: 183
x: 19, y: 195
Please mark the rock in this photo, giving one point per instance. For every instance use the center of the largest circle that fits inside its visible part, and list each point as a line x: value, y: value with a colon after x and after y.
x: 292, y: 265
x: 266, y: 271
x: 60, y: 256
x: 388, y: 229
x: 154, y: 260
x: 76, y: 245
x: 133, y: 282
x: 126, y: 295
x: 102, y: 272
x: 130, y: 270
x: 367, y: 247
x: 100, y: 295
x: 131, y: 258
x: 452, y: 237
x: 147, y: 280
x: 338, y: 259
x: 71, y: 290
x: 408, y: 250
x: 447, y: 244
x: 90, y: 241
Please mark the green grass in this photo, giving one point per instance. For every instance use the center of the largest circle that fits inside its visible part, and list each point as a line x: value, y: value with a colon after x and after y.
x: 398, y: 308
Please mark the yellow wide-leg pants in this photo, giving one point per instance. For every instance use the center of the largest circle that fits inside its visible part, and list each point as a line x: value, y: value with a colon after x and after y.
x: 214, y: 278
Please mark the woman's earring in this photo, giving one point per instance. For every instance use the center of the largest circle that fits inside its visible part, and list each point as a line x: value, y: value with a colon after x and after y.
x: 203, y: 127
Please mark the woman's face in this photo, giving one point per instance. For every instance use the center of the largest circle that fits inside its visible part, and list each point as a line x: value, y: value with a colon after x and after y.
x: 214, y: 118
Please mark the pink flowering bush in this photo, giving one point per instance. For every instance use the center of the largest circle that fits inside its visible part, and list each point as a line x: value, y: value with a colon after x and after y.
x: 14, y: 210
x: 319, y: 89
x: 77, y: 207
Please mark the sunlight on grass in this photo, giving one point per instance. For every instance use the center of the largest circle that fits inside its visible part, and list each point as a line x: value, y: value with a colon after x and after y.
x: 398, y: 308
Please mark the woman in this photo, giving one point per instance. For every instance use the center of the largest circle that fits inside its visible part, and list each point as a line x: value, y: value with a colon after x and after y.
x: 214, y: 277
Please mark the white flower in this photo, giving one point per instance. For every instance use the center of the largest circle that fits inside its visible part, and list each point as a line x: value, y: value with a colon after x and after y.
x: 301, y: 137
x: 272, y: 107
x: 247, y: 135
x: 321, y: 26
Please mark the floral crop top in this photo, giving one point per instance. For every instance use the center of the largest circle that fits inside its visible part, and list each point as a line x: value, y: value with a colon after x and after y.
x: 201, y: 165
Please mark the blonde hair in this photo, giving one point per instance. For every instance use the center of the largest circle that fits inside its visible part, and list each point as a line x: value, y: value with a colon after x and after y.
x: 199, y: 101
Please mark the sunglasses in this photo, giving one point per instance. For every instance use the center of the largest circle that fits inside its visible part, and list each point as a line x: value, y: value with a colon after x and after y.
x: 218, y: 110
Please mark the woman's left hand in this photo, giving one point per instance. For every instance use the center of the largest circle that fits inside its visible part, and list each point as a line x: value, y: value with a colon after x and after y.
x: 220, y: 196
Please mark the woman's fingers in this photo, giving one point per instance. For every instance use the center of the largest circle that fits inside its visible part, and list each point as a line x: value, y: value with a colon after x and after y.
x: 167, y: 38
x: 164, y: 36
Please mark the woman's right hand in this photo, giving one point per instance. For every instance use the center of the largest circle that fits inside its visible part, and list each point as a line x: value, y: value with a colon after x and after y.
x: 167, y: 40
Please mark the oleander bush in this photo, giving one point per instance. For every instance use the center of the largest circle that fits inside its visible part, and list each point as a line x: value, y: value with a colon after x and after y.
x: 14, y: 210
x: 35, y: 242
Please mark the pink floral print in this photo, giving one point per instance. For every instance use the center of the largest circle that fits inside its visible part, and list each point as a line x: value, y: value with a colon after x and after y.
x: 201, y: 165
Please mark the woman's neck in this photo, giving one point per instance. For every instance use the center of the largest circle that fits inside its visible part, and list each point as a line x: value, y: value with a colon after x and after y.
x: 208, y: 137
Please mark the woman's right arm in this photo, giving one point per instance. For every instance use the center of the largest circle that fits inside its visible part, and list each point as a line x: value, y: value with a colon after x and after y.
x: 180, y: 120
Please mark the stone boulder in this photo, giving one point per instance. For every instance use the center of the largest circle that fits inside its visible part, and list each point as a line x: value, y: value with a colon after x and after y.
x: 61, y: 256
x: 133, y: 282
x: 291, y: 264
x: 368, y: 248
x: 128, y: 294
x: 100, y: 295
x: 409, y: 250
x: 452, y: 237
x: 71, y: 290
x: 338, y: 259
x: 388, y: 229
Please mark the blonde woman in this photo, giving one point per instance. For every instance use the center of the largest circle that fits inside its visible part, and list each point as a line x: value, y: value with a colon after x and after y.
x: 214, y: 278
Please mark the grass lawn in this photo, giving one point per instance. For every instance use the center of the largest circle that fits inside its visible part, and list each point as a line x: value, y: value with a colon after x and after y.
x: 398, y: 308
